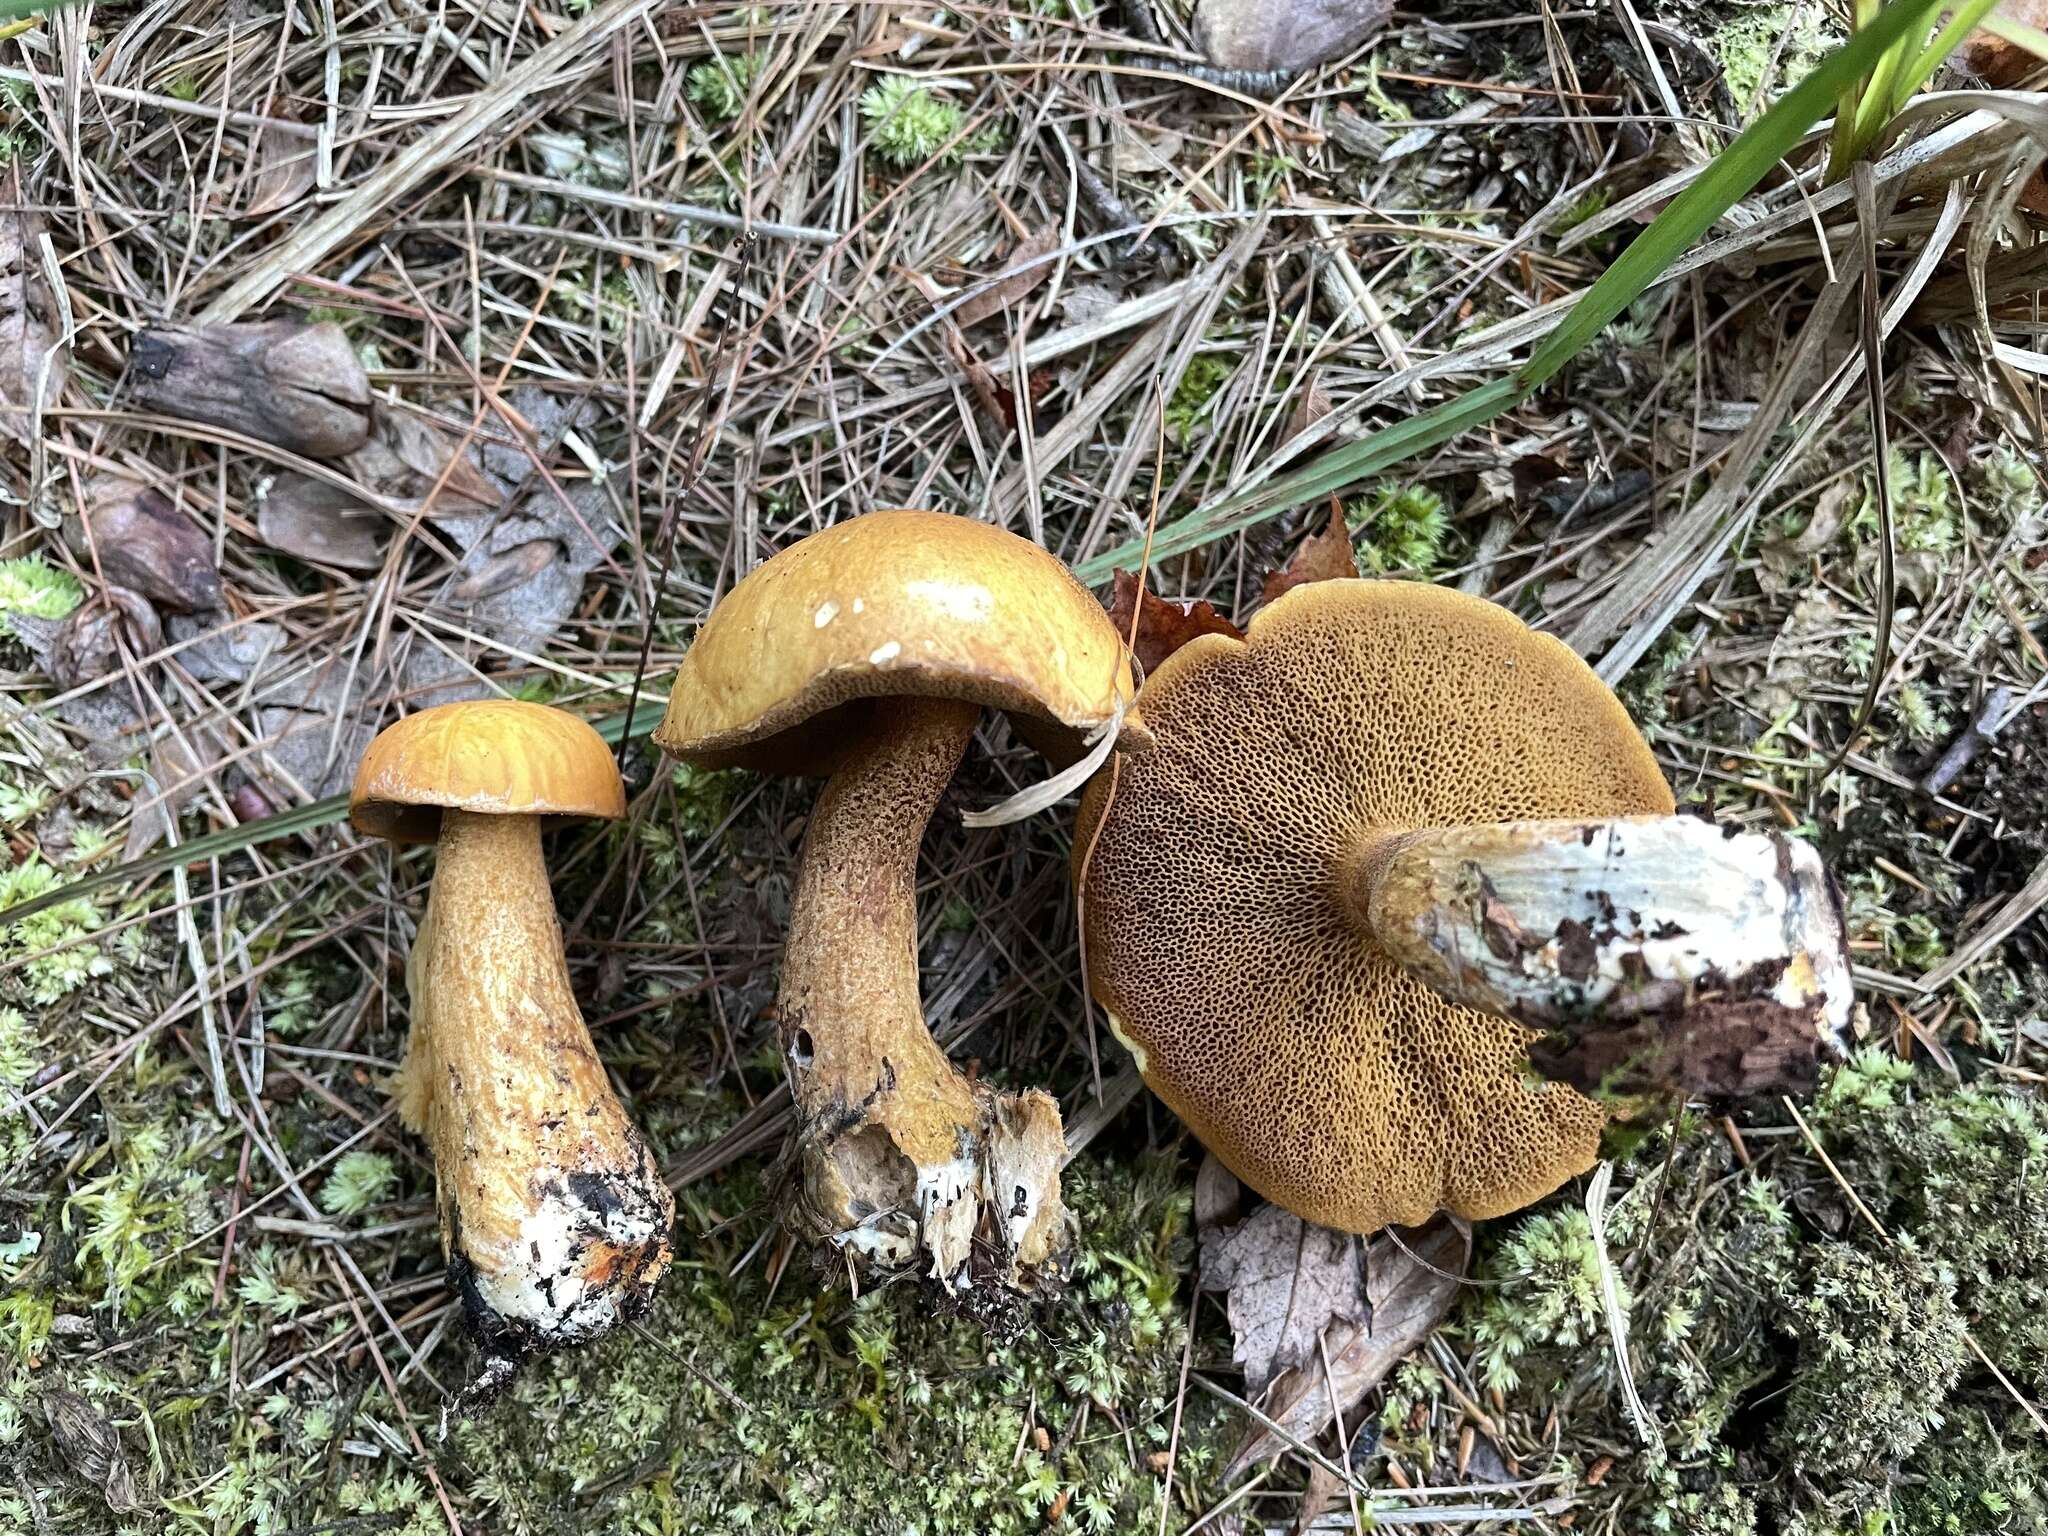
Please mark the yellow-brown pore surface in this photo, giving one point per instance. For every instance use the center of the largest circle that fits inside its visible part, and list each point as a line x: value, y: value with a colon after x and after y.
x: 492, y: 756
x: 1219, y: 934
x: 893, y: 604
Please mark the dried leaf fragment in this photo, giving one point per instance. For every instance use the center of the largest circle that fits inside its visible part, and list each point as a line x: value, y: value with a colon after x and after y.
x: 284, y: 168
x: 1286, y: 1280
x: 91, y: 1448
x: 1019, y: 278
x: 145, y: 543
x: 1163, y: 627
x: 1412, y: 1284
x: 32, y: 362
x: 1324, y: 556
x: 1285, y: 35
x: 316, y: 521
x: 300, y: 387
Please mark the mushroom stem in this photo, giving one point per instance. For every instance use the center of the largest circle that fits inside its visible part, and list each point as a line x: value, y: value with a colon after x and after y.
x: 900, y: 1151
x: 1663, y: 950
x: 554, y: 1217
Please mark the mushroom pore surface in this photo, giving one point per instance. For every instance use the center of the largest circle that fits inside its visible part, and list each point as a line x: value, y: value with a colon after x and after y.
x: 1221, y: 930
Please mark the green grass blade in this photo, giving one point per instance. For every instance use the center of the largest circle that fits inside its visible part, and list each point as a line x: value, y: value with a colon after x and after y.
x: 1729, y: 177
x: 1967, y: 19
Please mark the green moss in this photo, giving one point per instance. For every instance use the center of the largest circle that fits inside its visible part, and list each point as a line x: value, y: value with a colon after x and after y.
x: 37, y: 588
x: 1199, y: 382
x: 1399, y: 528
x: 719, y: 85
x: 802, y: 1413
x: 53, y: 945
x: 1807, y: 1376
x: 907, y: 124
x: 1792, y: 35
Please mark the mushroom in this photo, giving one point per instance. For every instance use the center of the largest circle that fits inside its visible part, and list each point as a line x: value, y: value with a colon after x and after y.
x: 554, y: 1218
x: 866, y: 653
x: 1386, y: 808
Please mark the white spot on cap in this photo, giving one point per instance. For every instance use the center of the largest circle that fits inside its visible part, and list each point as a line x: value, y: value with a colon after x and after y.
x: 826, y: 613
x: 885, y: 653
x: 860, y: 605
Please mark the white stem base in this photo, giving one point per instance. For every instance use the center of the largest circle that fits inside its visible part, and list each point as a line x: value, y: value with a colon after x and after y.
x: 1666, y: 949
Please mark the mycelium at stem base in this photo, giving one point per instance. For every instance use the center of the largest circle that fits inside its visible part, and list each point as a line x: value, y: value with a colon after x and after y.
x: 554, y: 1215
x: 1660, y: 951
x: 899, y: 1151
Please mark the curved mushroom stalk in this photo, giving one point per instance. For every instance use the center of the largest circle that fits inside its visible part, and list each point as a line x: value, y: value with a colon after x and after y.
x: 1659, y: 950
x: 554, y: 1217
x: 900, y: 1152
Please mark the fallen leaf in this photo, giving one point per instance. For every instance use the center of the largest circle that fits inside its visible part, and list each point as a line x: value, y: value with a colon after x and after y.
x: 1324, y: 1489
x: 1163, y: 627
x: 89, y: 1447
x: 146, y: 544
x: 285, y: 170
x: 1412, y: 1289
x: 84, y: 646
x: 300, y: 387
x: 424, y: 451
x: 1018, y: 279
x: 1218, y: 1195
x: 1310, y: 407
x: 32, y: 364
x: 316, y: 521
x: 1285, y: 1280
x: 1324, y: 556
x: 1285, y: 35
x: 1134, y: 154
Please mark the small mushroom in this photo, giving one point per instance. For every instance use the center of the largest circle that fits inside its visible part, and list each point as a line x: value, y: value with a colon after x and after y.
x: 866, y: 653
x: 554, y: 1217
x: 1387, y: 808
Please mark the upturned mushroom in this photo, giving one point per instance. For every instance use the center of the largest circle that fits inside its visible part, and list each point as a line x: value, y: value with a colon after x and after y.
x: 554, y: 1217
x: 1385, y: 847
x: 866, y: 653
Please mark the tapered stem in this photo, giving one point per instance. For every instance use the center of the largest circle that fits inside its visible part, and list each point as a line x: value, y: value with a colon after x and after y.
x: 1664, y: 949
x: 553, y: 1214
x: 900, y: 1151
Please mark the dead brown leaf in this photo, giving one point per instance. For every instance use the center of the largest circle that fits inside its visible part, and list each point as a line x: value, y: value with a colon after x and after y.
x: 422, y: 451
x: 1285, y: 1280
x: 1285, y: 35
x: 32, y: 364
x: 1018, y: 279
x: 83, y: 646
x: 316, y: 521
x: 90, y: 1448
x: 146, y: 544
x: 1310, y: 407
x: 1324, y: 556
x: 1163, y: 627
x: 283, y: 171
x: 1412, y: 1289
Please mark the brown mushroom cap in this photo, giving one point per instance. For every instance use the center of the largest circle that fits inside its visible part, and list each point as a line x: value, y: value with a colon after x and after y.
x: 1220, y: 938
x: 492, y: 756
x: 889, y: 605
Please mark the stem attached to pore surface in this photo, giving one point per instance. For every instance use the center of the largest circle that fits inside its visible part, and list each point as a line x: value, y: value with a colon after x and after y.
x: 553, y: 1213
x: 900, y: 1151
x: 1664, y: 948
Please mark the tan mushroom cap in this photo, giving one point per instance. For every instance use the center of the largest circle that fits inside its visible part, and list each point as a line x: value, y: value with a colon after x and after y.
x: 492, y: 756
x: 1219, y: 936
x: 889, y: 605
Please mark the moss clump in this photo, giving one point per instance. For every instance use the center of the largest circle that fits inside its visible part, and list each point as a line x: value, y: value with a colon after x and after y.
x: 37, y: 588
x: 907, y: 124
x: 739, y: 1411
x: 1806, y: 1376
x: 1399, y: 528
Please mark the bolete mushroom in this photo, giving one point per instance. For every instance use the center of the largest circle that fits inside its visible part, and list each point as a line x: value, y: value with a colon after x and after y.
x: 554, y: 1218
x: 866, y: 652
x: 1387, y: 808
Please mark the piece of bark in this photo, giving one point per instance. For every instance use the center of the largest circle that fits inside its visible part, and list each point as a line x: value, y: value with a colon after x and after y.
x: 33, y: 364
x: 146, y: 544
x: 1662, y: 951
x: 1284, y: 35
x: 300, y: 387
